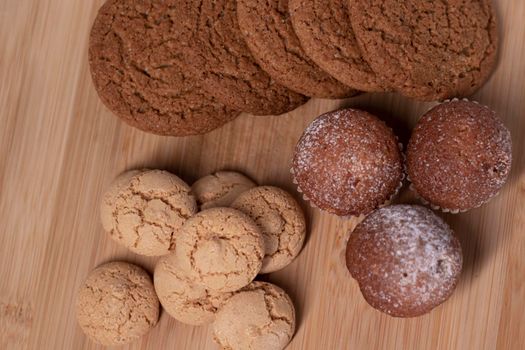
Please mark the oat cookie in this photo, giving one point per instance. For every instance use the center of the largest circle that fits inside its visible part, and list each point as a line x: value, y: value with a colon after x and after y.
x: 229, y: 70
x: 428, y: 50
x: 135, y: 56
x: 325, y: 33
x: 268, y: 31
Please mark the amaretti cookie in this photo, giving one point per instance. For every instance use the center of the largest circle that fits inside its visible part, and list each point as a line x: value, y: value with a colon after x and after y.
x: 136, y: 57
x: 230, y: 73
x: 405, y: 258
x: 145, y: 210
x: 326, y: 36
x: 181, y: 294
x: 221, y: 249
x: 428, y: 50
x: 269, y: 34
x: 220, y: 189
x: 281, y: 220
x: 117, y: 304
x: 259, y: 317
x: 459, y: 156
x: 348, y: 162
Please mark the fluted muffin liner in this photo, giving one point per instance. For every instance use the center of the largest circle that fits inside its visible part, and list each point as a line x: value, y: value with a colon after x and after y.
x: 387, y: 202
x: 413, y: 189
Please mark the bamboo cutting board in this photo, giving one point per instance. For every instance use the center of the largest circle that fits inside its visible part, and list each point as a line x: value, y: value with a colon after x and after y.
x: 60, y: 148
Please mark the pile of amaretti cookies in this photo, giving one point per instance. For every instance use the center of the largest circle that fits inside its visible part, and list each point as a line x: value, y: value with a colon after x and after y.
x: 215, y: 238
x: 179, y: 67
x: 185, y: 67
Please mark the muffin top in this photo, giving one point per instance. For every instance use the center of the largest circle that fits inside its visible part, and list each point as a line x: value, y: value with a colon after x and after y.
x: 348, y: 162
x: 459, y: 155
x: 405, y: 258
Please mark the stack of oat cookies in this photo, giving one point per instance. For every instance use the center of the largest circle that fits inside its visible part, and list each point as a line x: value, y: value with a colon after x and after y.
x: 179, y: 67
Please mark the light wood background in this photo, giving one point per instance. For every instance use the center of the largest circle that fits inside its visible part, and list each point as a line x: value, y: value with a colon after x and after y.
x: 60, y: 148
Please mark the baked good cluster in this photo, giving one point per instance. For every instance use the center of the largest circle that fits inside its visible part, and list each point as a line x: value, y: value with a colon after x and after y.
x: 213, y: 238
x: 179, y: 67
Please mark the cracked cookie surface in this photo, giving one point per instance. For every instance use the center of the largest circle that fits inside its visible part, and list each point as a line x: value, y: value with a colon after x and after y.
x: 259, y: 317
x: 428, y: 50
x: 281, y: 221
x: 184, y: 299
x: 136, y: 56
x: 326, y: 35
x: 220, y: 189
x: 220, y: 249
x: 117, y: 304
x: 145, y: 210
x: 268, y: 31
x: 228, y: 68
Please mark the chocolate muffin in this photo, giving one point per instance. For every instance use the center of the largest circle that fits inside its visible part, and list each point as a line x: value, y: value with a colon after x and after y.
x: 459, y: 156
x: 348, y: 162
x: 406, y: 260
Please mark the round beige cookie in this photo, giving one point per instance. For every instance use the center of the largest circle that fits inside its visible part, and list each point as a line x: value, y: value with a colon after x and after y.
x: 281, y: 221
x: 117, y: 304
x: 183, y: 298
x: 259, y: 317
x: 144, y: 210
x: 220, y: 249
x: 220, y: 189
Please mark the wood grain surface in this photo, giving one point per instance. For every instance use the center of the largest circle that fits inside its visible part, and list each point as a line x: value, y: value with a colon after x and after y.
x: 60, y: 148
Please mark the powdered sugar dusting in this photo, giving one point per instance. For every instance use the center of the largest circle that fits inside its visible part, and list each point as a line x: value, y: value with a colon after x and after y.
x: 459, y: 156
x: 405, y: 259
x: 348, y: 162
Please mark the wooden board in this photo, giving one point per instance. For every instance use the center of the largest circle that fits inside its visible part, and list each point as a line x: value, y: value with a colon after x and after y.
x: 60, y: 148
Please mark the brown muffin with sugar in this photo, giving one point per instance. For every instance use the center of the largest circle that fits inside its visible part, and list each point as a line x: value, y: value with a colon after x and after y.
x: 348, y: 162
x: 459, y: 156
x: 406, y: 260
